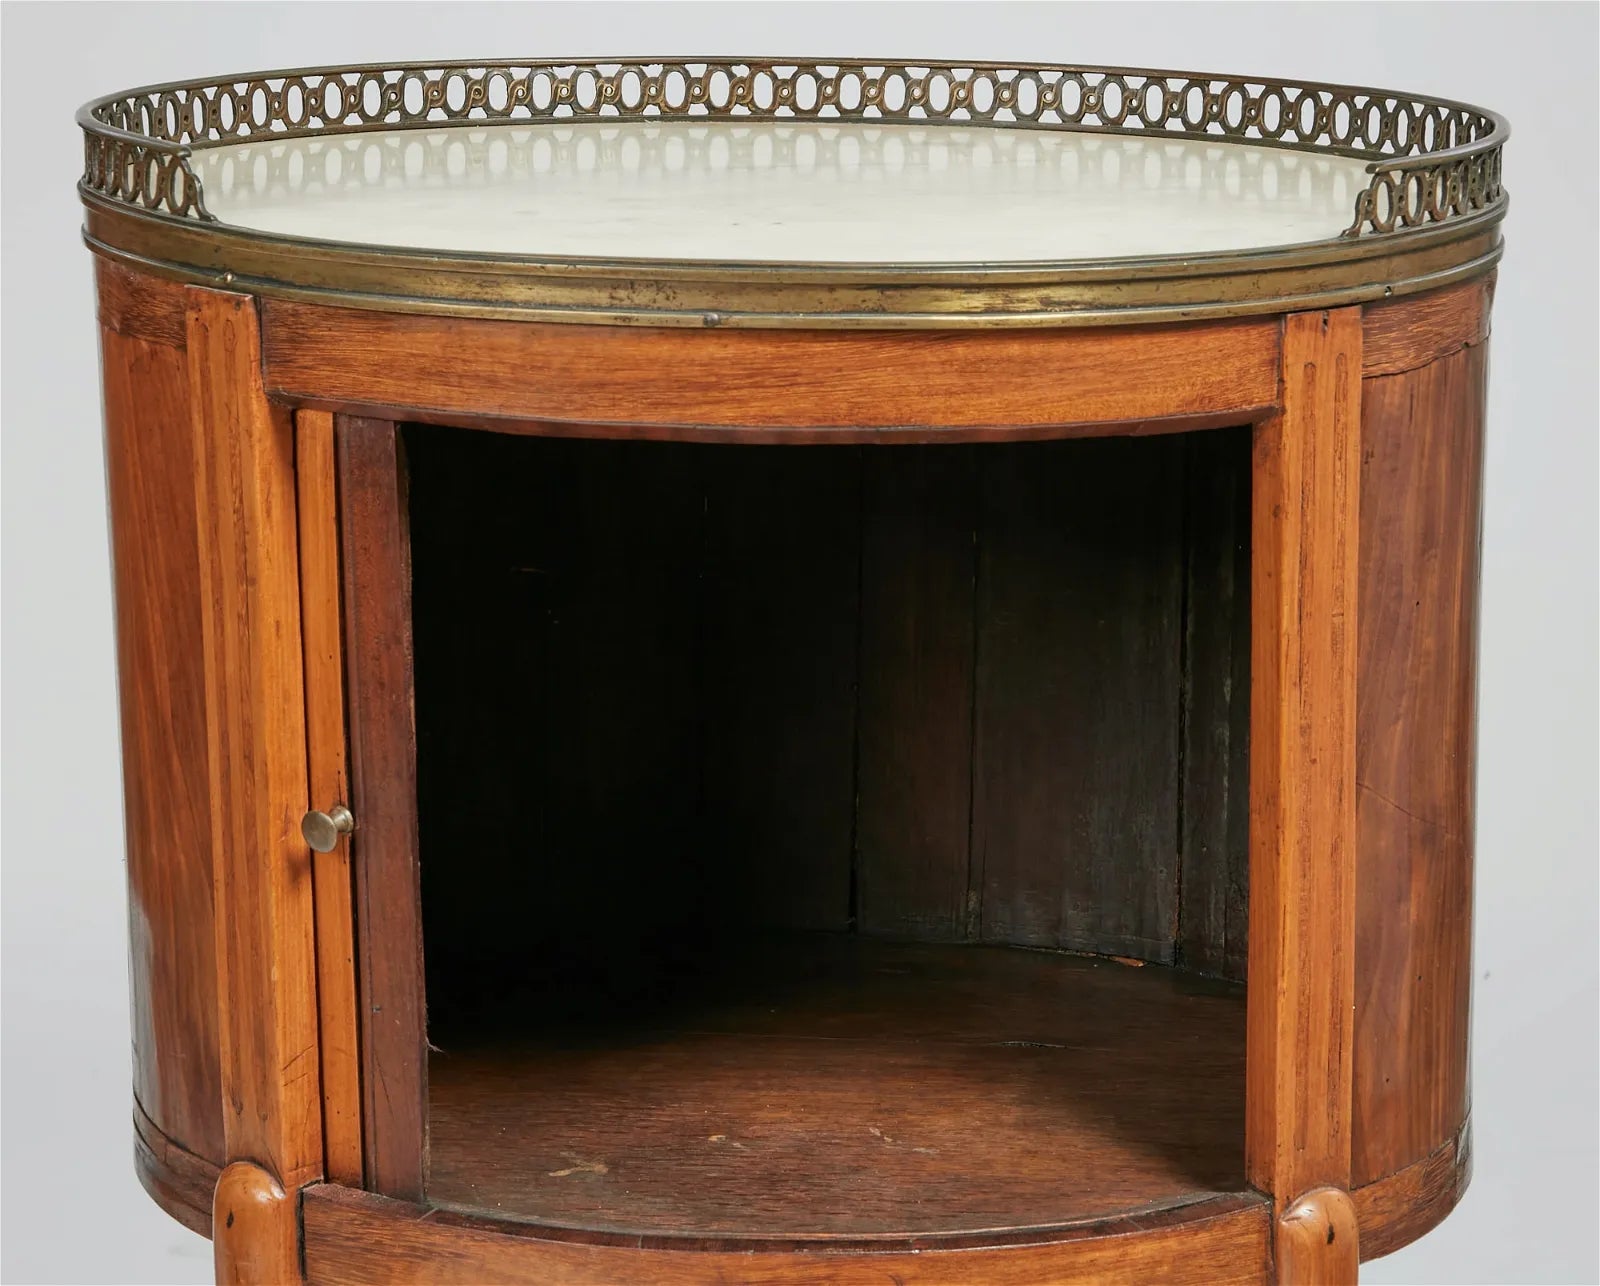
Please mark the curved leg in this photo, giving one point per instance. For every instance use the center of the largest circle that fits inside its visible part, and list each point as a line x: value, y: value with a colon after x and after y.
x: 254, y: 1237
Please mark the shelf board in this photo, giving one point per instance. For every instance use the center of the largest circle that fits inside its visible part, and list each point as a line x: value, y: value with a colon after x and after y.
x: 836, y: 1087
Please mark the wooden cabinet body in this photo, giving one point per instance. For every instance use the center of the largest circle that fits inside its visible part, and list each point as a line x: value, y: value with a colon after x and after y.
x: 997, y: 707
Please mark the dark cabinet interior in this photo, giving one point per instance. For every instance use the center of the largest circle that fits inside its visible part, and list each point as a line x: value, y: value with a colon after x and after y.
x: 792, y: 817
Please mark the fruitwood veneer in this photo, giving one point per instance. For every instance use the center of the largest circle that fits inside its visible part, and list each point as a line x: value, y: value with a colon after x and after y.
x: 1421, y: 517
x: 1302, y: 762
x: 790, y: 386
x: 328, y: 780
x: 377, y: 607
x: 177, y: 1075
x: 257, y: 481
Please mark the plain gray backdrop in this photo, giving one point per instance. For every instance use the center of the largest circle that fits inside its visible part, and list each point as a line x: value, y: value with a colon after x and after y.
x: 73, y: 1211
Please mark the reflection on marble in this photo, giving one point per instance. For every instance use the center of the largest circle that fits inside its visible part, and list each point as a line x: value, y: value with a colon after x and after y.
x: 779, y: 191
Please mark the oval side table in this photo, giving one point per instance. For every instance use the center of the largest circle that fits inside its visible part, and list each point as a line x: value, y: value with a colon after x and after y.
x: 795, y: 672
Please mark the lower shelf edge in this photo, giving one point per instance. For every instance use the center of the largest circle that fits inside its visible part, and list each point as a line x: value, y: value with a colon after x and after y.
x: 359, y: 1237
x: 354, y: 1237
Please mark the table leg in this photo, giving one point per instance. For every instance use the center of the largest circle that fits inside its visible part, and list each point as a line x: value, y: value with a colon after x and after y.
x: 254, y: 1232
x: 1316, y: 1243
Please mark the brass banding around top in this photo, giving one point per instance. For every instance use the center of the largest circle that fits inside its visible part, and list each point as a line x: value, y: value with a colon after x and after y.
x: 1428, y: 215
x: 625, y: 293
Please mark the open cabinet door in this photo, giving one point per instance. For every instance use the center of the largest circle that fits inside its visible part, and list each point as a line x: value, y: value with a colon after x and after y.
x: 356, y: 573
x: 338, y: 1024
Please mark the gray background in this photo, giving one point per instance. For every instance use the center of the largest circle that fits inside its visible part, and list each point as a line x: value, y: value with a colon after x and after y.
x: 73, y: 1211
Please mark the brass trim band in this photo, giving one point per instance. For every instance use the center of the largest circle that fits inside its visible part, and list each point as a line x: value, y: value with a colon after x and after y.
x: 699, y: 295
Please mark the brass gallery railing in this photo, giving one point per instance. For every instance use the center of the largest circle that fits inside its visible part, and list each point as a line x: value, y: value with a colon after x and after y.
x: 1429, y: 160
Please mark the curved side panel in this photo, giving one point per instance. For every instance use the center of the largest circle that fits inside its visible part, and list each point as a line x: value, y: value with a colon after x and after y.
x: 1421, y: 489
x: 1410, y: 1203
x: 177, y: 1180
x: 173, y: 970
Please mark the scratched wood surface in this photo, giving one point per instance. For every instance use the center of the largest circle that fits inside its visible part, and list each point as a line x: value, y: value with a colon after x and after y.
x: 836, y: 1086
x: 353, y: 1238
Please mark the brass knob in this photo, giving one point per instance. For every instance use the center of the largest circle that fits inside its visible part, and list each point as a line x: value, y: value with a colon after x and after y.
x: 322, y: 830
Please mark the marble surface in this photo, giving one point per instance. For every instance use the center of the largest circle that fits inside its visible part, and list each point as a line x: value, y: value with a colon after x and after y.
x: 776, y: 192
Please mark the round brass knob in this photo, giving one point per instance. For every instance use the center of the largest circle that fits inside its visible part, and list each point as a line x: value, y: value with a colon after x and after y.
x: 322, y: 830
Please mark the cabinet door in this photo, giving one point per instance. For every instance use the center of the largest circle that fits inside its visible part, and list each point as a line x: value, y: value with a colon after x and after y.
x: 329, y: 792
x: 356, y: 586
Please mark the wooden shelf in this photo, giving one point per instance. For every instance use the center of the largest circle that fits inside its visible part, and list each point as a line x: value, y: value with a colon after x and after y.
x: 835, y: 1087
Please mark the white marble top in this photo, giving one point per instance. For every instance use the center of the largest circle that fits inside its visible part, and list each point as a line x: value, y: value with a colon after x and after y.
x: 782, y: 192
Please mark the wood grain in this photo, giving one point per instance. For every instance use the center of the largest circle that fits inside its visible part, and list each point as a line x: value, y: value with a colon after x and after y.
x: 608, y: 377
x: 180, y: 1182
x: 325, y: 756
x: 139, y: 306
x: 166, y: 781
x: 1404, y: 334
x: 832, y: 1086
x: 1392, y: 1212
x: 1075, y: 823
x: 1316, y: 1242
x: 1214, y: 805
x: 1395, y: 1211
x: 1302, y: 763
x: 353, y: 1238
x: 1421, y: 516
x: 903, y: 435
x: 383, y: 787
x: 244, y: 493
x: 1361, y: 805
x: 256, y: 1235
x: 914, y: 743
